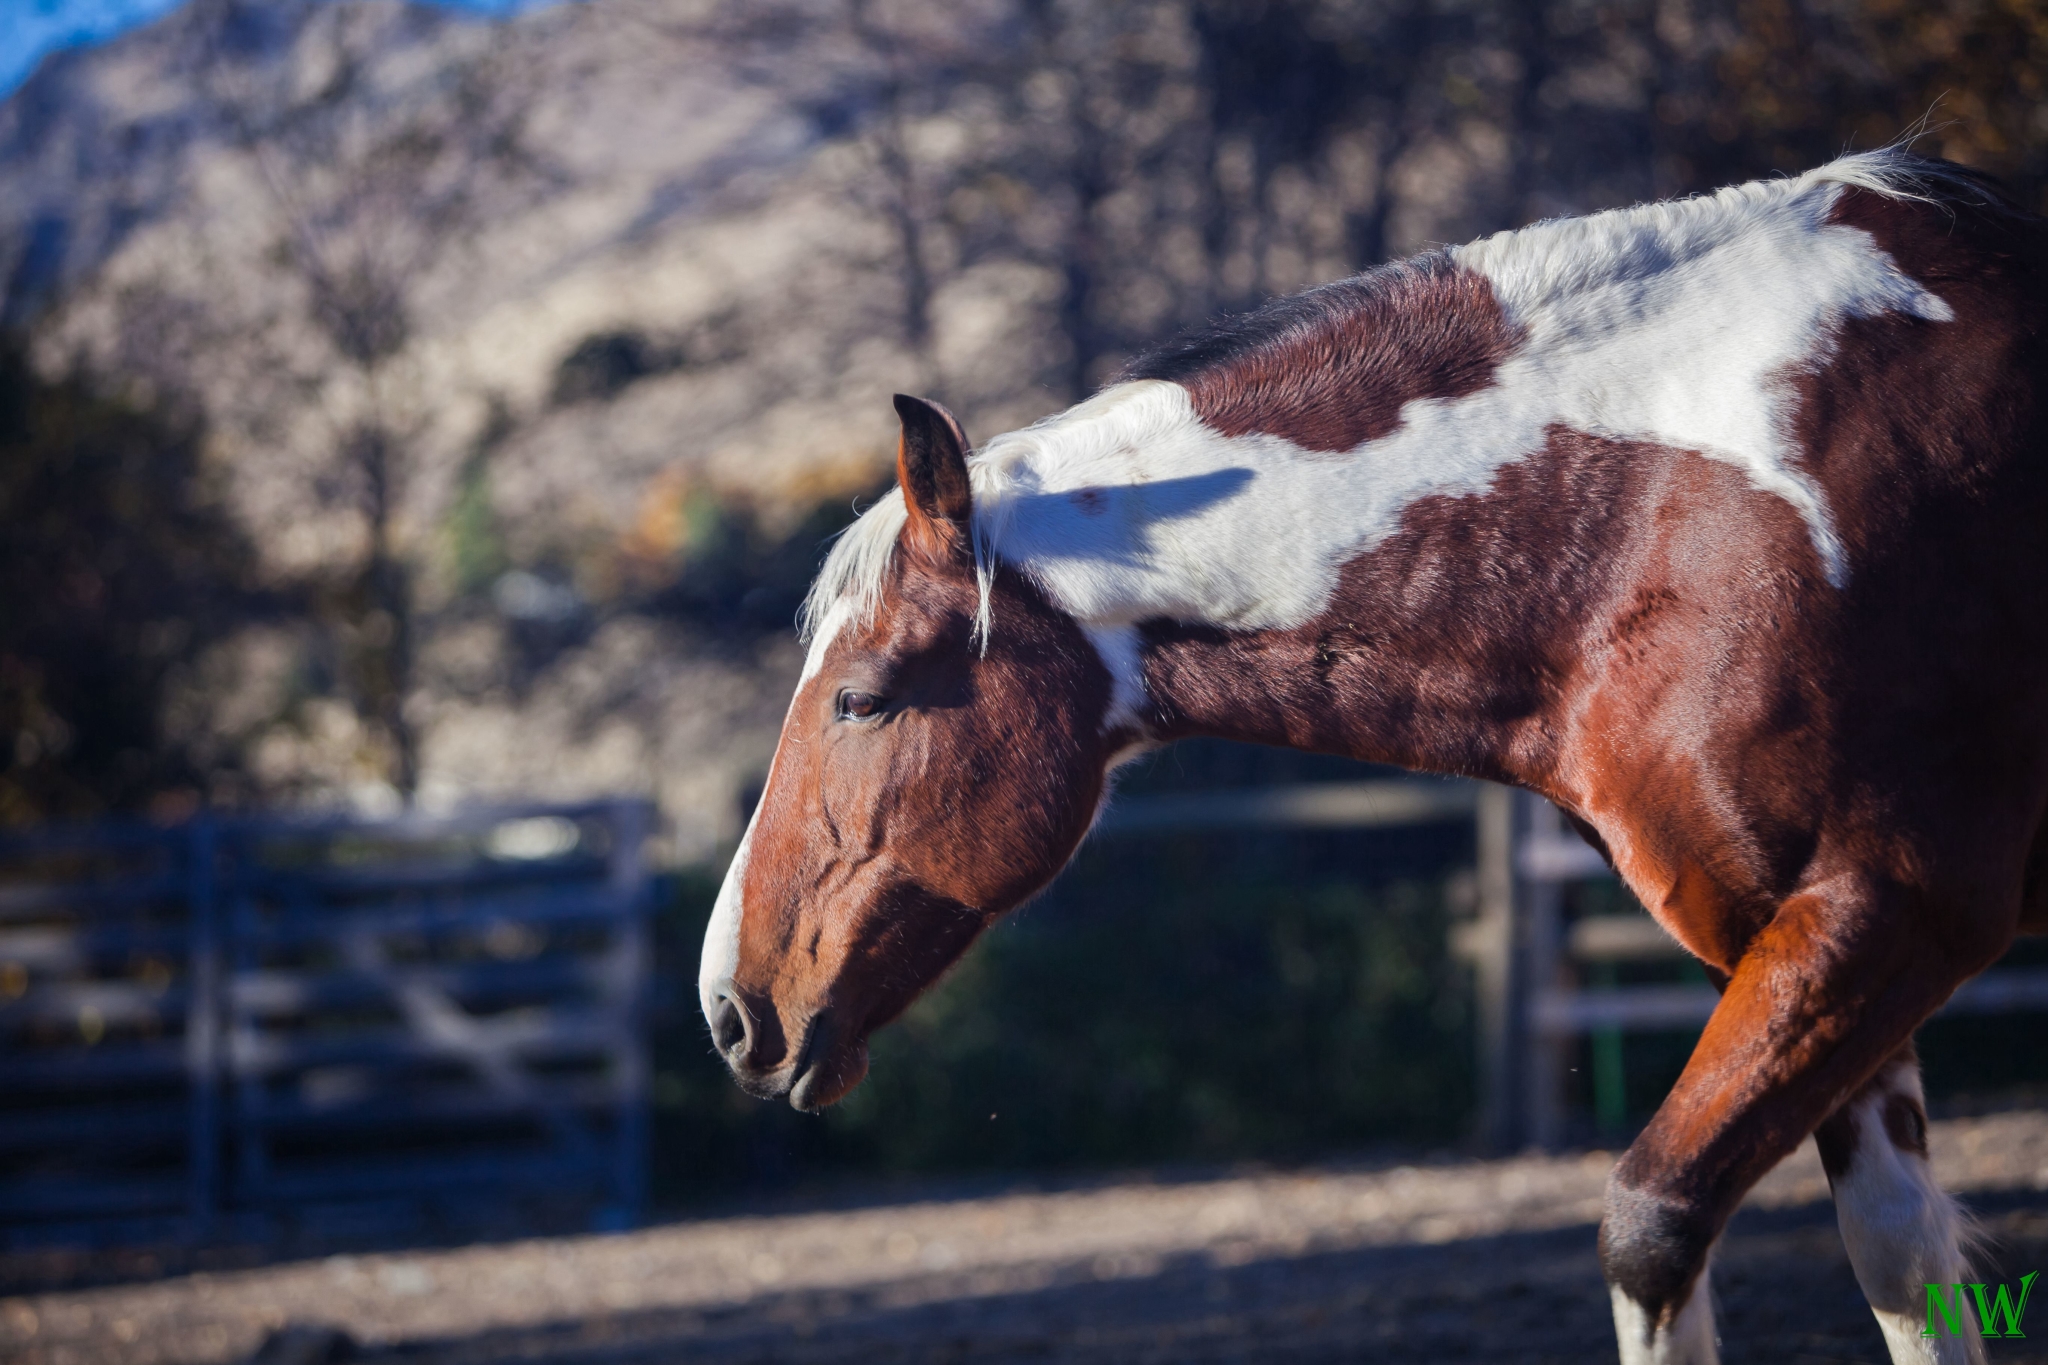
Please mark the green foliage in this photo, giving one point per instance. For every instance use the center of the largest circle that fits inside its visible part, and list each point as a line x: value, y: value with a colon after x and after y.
x: 476, y: 543
x: 1157, y: 1006
x: 1209, y: 1022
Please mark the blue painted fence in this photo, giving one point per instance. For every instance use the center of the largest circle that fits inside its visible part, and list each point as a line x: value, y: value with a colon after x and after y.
x: 232, y: 1025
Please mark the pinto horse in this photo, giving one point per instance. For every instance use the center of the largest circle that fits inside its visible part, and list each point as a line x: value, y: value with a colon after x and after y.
x: 1721, y: 523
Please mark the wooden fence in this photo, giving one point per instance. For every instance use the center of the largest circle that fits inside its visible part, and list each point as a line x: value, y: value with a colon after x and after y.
x: 1538, y: 971
x: 1543, y: 972
x: 209, y: 1029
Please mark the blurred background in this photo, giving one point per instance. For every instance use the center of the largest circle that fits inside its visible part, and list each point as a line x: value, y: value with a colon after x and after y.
x: 410, y: 408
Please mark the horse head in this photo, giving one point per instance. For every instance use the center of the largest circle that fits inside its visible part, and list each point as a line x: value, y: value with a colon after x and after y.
x: 931, y: 774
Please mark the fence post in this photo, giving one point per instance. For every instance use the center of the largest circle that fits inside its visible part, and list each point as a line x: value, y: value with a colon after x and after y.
x: 1494, y: 958
x: 202, y: 1024
x: 1541, y: 896
x: 628, y: 875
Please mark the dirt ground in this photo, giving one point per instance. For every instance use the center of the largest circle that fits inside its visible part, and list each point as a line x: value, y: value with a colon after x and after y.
x: 1468, y: 1261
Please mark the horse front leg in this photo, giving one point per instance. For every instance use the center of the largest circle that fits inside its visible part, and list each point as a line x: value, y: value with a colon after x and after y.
x: 1828, y: 992
x: 1902, y: 1230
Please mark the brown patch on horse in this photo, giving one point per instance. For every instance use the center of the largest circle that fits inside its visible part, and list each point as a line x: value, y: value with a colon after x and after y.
x: 1576, y: 628
x: 1405, y: 665
x: 1632, y: 634
x: 1913, y: 429
x: 1331, y: 369
x: 1697, y: 701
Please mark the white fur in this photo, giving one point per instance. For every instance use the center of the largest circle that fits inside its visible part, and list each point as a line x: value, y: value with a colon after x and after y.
x: 1676, y: 323
x: 1122, y: 656
x: 721, y: 956
x: 835, y: 620
x: 1680, y: 323
x: 1688, y: 1341
x: 1902, y: 1232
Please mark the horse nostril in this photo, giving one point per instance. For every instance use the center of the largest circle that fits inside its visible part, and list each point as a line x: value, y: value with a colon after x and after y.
x: 729, y: 1027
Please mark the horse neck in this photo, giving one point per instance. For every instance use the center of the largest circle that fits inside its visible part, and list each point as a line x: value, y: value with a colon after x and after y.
x: 1452, y: 646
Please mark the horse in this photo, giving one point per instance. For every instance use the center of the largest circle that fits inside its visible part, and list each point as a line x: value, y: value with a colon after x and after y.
x: 1718, y: 522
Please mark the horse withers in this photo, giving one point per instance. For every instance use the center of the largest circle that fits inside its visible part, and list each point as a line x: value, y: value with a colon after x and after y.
x: 1721, y: 523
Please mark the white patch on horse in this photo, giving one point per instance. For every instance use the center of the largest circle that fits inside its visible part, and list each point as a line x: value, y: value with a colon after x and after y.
x: 1902, y: 1231
x: 1123, y: 656
x: 1689, y: 1340
x: 1678, y: 323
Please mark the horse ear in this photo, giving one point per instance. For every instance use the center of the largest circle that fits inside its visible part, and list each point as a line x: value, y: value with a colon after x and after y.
x: 931, y: 464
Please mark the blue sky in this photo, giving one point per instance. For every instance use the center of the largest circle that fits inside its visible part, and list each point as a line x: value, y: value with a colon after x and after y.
x: 30, y: 28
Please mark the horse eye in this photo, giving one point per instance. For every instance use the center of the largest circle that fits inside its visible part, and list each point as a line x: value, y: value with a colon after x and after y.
x: 859, y: 705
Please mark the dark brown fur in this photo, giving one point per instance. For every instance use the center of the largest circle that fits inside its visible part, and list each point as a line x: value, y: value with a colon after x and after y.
x: 1331, y: 368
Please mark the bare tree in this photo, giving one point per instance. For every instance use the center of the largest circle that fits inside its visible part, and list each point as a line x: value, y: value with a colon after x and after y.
x: 364, y: 207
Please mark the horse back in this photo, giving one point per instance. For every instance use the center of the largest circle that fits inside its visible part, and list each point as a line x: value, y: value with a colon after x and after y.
x: 1746, y: 726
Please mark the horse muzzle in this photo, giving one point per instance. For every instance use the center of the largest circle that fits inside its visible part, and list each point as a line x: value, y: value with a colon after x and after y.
x: 750, y: 1038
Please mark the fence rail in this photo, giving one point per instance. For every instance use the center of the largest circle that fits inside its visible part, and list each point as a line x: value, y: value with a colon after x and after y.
x: 263, y: 1019
x: 1548, y: 1001
x: 1530, y: 961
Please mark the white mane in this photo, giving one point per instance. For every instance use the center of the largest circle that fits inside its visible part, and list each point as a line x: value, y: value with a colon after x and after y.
x: 1671, y: 322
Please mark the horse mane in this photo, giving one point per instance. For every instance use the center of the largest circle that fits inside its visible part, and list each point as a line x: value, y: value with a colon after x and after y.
x: 1563, y: 250
x: 857, y: 566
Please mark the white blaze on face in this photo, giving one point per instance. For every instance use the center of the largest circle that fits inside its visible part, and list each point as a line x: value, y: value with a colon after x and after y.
x: 721, y: 955
x: 821, y: 639
x: 722, y: 936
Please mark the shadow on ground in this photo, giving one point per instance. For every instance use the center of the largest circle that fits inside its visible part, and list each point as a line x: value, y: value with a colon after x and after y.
x: 1784, y: 1284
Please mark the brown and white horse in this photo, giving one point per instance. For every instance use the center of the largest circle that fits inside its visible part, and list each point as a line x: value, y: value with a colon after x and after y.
x: 1721, y: 523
